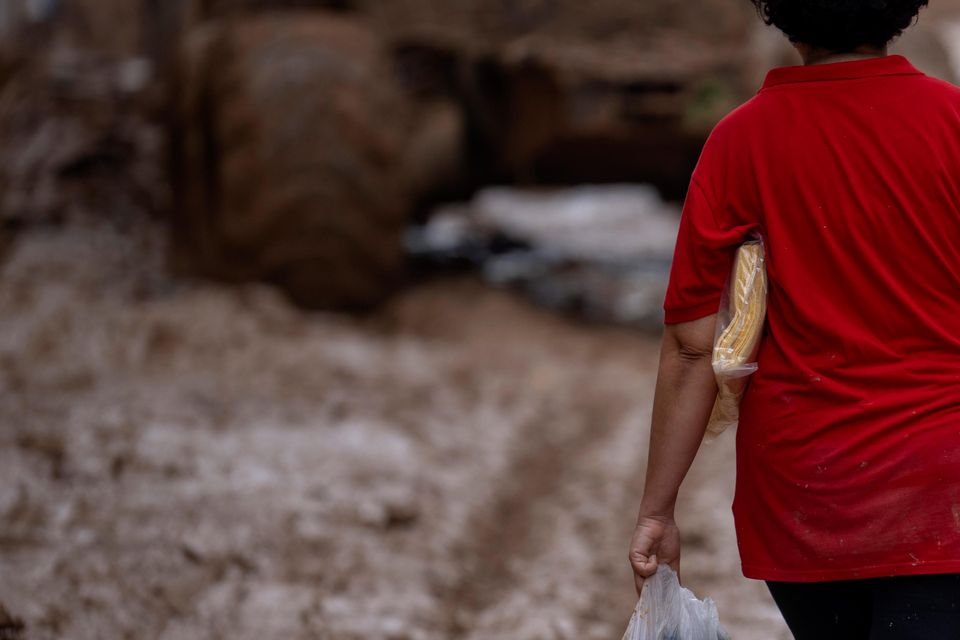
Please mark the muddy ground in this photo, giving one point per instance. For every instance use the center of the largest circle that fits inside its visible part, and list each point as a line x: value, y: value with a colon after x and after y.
x: 182, y: 460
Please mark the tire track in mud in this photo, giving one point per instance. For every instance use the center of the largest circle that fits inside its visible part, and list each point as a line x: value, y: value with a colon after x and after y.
x: 506, y: 528
x: 560, y: 516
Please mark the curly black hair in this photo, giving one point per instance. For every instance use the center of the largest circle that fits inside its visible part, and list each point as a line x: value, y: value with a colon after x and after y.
x: 840, y: 25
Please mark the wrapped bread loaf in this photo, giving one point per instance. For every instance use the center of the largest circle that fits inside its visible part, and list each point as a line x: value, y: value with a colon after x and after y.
x: 743, y: 309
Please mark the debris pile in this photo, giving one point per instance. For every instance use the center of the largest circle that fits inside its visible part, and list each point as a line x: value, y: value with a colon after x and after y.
x: 602, y: 252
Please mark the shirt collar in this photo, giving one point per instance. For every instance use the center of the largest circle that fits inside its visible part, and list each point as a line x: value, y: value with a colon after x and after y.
x: 889, y: 65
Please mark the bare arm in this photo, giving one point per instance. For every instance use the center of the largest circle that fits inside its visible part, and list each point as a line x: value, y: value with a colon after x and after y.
x: 684, y: 396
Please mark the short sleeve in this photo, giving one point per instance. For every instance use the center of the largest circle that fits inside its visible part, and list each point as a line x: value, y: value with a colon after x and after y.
x: 707, y: 243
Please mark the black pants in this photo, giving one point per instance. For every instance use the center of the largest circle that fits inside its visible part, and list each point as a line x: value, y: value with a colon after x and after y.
x: 921, y: 607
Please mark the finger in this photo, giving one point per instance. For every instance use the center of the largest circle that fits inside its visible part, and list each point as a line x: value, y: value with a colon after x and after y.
x: 646, y: 569
x: 639, y: 578
x: 642, y: 565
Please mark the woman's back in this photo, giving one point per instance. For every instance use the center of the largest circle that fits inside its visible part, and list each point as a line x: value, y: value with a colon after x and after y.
x: 851, y: 171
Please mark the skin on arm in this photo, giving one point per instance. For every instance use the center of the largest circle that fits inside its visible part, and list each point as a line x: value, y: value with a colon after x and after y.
x: 683, y: 399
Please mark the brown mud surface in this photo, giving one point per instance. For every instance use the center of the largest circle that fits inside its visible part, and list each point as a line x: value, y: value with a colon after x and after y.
x: 182, y: 460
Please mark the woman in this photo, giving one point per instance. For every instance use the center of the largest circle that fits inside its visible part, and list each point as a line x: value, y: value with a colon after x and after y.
x: 847, y: 497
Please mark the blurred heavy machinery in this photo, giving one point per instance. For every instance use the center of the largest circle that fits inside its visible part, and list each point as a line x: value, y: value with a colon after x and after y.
x: 554, y: 91
x: 307, y: 135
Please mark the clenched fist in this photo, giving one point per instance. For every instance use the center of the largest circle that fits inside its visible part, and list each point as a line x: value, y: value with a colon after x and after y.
x: 656, y: 540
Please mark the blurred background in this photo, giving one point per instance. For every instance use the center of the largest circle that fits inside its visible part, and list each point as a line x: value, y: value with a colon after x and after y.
x: 339, y: 319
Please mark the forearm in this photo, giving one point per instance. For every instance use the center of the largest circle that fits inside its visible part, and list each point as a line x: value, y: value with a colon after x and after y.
x: 683, y: 399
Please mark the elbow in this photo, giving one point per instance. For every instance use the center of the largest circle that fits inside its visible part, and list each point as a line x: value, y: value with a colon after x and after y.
x: 691, y: 341
x: 694, y: 353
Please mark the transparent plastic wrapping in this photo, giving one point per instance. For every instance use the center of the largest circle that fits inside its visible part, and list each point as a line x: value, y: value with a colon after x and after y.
x: 743, y: 309
x: 667, y: 611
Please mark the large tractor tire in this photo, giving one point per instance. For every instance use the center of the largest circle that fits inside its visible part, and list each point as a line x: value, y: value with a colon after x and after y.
x: 287, y: 147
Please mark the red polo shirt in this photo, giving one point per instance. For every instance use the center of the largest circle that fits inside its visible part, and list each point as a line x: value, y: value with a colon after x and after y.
x: 848, y: 447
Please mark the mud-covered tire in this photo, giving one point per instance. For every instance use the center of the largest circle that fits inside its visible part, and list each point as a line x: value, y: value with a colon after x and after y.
x: 287, y: 141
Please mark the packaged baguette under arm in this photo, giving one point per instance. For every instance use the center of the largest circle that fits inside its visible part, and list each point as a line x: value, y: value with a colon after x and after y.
x: 743, y: 309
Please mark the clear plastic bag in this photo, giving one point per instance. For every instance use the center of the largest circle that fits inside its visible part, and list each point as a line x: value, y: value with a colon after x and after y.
x: 743, y: 309
x: 667, y: 611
